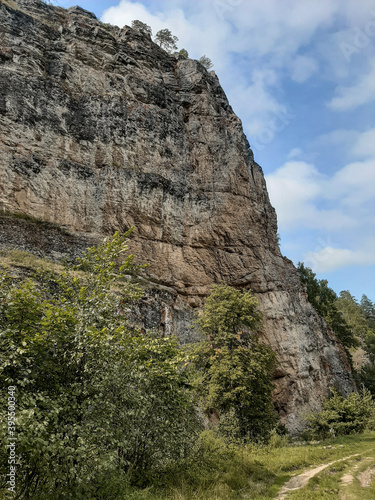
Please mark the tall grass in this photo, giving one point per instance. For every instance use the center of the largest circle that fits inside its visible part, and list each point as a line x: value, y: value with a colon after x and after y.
x: 218, y: 471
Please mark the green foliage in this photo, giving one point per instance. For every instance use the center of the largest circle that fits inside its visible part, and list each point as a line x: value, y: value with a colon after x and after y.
x: 166, y: 40
x: 98, y: 403
x: 225, y: 314
x: 360, y: 317
x: 324, y: 301
x: 233, y: 369
x: 367, y: 377
x: 368, y: 309
x: 206, y: 62
x: 142, y: 27
x: 351, y: 322
x: 353, y: 315
x: 342, y: 415
x: 184, y: 53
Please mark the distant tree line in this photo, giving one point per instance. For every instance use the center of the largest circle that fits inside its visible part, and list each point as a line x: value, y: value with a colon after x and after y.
x: 353, y: 323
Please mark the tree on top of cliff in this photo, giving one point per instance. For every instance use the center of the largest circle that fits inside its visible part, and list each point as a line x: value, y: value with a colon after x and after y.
x: 141, y: 27
x: 206, y: 62
x: 166, y: 40
x: 233, y: 369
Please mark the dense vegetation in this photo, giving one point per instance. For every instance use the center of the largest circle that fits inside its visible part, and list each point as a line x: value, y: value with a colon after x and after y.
x: 104, y: 410
x: 342, y: 415
x: 353, y: 323
x: 234, y: 369
x: 101, y: 405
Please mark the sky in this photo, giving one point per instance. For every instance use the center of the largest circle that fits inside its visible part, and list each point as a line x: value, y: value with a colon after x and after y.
x: 300, y: 74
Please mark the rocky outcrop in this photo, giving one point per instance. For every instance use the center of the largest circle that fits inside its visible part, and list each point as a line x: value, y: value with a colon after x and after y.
x: 102, y: 130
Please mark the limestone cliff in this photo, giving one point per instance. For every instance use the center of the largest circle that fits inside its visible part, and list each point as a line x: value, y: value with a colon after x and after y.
x: 101, y: 130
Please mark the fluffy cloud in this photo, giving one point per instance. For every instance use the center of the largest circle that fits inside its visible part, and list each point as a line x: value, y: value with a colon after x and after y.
x: 294, y: 153
x: 364, y: 145
x: 341, y: 206
x: 253, y: 45
x: 295, y: 190
x: 354, y: 185
x: 304, y: 197
x: 362, y: 92
x: 329, y: 259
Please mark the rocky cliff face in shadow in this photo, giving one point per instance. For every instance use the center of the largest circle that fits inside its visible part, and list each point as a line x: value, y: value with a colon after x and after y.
x: 102, y: 130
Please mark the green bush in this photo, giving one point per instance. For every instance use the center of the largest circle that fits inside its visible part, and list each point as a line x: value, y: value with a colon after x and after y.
x: 232, y: 369
x: 98, y: 403
x: 342, y: 415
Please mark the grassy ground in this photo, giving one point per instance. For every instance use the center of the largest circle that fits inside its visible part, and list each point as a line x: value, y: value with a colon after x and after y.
x: 258, y: 472
x: 20, y: 258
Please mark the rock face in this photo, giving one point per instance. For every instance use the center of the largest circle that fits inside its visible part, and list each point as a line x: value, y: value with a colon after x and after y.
x: 102, y: 130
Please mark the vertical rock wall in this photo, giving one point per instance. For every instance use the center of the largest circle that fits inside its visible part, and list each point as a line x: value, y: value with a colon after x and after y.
x: 101, y: 130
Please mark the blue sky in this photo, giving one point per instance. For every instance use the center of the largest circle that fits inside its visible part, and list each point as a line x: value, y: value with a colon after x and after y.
x: 301, y: 76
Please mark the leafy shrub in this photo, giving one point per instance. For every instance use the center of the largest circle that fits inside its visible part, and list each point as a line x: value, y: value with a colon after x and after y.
x: 278, y: 440
x: 233, y: 370
x: 99, y: 404
x: 342, y: 415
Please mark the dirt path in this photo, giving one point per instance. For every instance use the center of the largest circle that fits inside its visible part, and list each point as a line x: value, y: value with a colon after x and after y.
x: 297, y: 482
x: 366, y: 477
x: 348, y: 478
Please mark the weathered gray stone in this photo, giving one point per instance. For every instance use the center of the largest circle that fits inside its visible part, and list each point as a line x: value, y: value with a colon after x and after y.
x: 102, y: 130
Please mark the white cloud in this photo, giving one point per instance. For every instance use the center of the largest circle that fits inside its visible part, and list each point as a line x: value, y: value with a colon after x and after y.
x: 329, y: 259
x: 294, y: 153
x: 354, y: 144
x: 354, y: 185
x: 305, y: 198
x: 364, y: 145
x: 339, y: 138
x: 295, y: 190
x: 303, y: 68
x: 253, y: 100
x: 339, y: 206
x: 356, y: 95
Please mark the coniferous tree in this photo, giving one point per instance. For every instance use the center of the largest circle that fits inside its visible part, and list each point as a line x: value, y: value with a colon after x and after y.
x: 206, y: 62
x: 166, y: 40
x: 324, y: 301
x: 141, y: 27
